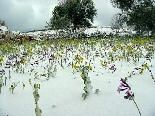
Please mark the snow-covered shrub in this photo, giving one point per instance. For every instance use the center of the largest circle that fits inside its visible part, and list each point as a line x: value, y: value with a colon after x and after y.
x: 87, y: 82
x: 36, y: 95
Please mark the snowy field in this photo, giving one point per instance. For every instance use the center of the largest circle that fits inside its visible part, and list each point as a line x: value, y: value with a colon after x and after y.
x: 81, y: 33
x: 78, y: 77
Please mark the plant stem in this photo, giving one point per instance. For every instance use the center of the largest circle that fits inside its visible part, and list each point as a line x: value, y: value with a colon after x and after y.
x: 5, y: 80
x: 137, y: 107
x: 151, y: 73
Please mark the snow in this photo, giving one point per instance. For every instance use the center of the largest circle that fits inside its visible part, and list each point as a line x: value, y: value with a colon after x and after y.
x: 55, y: 34
x: 88, y: 31
x: 61, y: 94
x: 106, y: 30
x: 3, y: 29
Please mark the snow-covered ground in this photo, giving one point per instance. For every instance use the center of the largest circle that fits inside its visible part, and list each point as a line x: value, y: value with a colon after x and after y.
x: 55, y: 65
x: 52, y: 34
x: 3, y: 29
x: 94, y: 31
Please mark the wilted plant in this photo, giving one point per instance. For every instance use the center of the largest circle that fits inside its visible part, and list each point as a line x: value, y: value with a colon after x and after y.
x: 13, y: 86
x: 97, y: 91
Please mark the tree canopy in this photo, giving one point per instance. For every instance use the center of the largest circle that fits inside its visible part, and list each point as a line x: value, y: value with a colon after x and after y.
x: 139, y: 14
x: 76, y: 13
x: 123, y: 4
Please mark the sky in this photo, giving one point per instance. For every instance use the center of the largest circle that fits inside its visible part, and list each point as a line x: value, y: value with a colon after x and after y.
x: 28, y: 15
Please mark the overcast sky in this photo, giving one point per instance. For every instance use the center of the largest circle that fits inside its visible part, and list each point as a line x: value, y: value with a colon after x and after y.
x: 26, y: 15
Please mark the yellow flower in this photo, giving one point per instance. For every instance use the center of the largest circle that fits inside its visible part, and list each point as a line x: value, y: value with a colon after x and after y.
x: 90, y: 67
x: 144, y: 66
x: 81, y: 75
x: 141, y: 71
x: 11, y: 87
x: 75, y: 66
x: 1, y: 59
x: 103, y: 63
x: 30, y: 50
x: 76, y: 58
x: 114, y: 49
x: 129, y: 48
x: 58, y: 55
x: 42, y: 75
x: 119, y: 47
x: 81, y: 59
x: 133, y: 41
x: 38, y: 86
x: 23, y: 85
x: 23, y: 62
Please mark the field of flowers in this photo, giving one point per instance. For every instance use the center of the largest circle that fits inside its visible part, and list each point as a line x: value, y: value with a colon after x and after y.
x: 78, y: 77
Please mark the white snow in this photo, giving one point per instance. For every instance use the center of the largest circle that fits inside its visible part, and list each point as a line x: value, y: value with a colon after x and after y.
x: 61, y: 95
x: 88, y: 31
x: 3, y: 29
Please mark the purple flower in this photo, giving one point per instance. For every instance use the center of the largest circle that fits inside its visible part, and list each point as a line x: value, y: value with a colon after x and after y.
x: 69, y: 64
x: 2, y: 71
x: 97, y: 53
x: 17, y: 63
x: 148, y: 57
x: 51, y: 57
x: 137, y: 68
x: 129, y: 95
x: 45, y: 54
x: 113, y: 68
x: 7, y: 67
x: 9, y: 63
x: 124, y: 86
x: 11, y: 57
x: 36, y: 62
x: 70, y: 49
x: 119, y: 89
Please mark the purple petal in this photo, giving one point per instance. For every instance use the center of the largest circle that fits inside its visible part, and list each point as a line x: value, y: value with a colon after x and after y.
x: 119, y: 89
x: 128, y: 96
